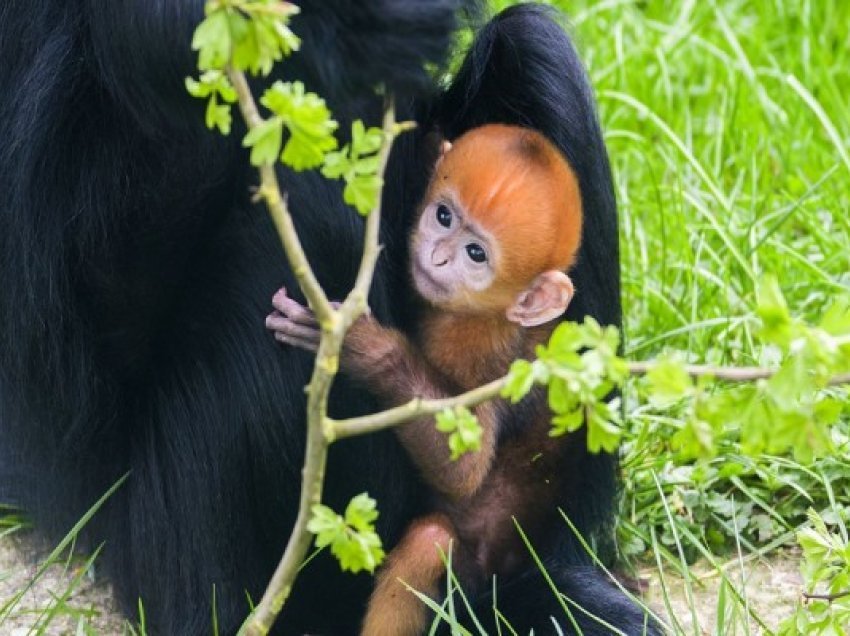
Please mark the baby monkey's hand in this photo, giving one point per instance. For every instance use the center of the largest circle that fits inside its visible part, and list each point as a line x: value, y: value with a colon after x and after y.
x: 292, y: 323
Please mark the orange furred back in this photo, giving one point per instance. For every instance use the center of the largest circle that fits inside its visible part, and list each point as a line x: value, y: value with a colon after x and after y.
x: 517, y: 185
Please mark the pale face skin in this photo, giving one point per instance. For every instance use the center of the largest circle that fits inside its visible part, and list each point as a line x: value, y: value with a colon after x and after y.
x: 451, y: 255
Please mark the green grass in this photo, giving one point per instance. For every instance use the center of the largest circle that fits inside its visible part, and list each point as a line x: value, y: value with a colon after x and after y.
x: 727, y: 125
x: 61, y: 610
x: 728, y: 128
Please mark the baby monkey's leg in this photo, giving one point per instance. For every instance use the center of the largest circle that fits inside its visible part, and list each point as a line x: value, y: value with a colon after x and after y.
x: 418, y: 561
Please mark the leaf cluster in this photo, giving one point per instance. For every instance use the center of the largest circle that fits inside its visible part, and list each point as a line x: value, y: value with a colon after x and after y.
x: 351, y: 537
x: 251, y: 36
x: 792, y: 411
x: 357, y: 164
x: 214, y: 86
x: 306, y: 118
x: 825, y: 609
x: 463, y: 430
x: 580, y: 368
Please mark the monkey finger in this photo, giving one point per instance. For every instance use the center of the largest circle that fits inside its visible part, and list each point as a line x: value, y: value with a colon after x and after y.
x: 292, y: 309
x: 283, y: 324
x: 296, y: 342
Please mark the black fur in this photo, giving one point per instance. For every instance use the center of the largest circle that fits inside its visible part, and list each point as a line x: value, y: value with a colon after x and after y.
x: 135, y: 275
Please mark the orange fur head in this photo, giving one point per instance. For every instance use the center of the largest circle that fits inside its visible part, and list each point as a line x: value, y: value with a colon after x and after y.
x: 509, y: 189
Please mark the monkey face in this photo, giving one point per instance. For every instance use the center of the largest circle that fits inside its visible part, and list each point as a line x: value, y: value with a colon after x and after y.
x: 453, y: 259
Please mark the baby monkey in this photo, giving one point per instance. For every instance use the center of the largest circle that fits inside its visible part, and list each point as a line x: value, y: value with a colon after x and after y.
x: 498, y: 229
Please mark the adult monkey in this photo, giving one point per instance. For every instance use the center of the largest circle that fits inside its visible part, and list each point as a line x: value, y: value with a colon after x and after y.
x: 128, y: 244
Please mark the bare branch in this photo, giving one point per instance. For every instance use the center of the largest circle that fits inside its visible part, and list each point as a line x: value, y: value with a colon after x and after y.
x: 825, y: 597
x: 417, y: 407
x: 729, y: 374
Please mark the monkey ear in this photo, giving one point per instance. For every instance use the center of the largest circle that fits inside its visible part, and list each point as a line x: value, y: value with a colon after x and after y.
x: 445, y: 146
x: 545, y: 299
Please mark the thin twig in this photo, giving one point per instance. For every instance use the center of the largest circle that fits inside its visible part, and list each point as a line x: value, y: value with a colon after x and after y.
x: 826, y: 597
x: 279, y: 210
x: 416, y: 408
x: 729, y: 374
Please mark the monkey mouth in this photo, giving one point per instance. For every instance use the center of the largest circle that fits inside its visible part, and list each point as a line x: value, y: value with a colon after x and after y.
x: 425, y: 283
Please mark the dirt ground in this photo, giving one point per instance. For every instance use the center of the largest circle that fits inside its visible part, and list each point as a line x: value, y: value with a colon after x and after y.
x: 768, y: 588
x: 90, y: 602
x: 771, y: 589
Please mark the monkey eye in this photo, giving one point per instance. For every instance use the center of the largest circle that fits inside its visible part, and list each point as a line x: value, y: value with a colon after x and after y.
x: 476, y: 252
x: 444, y: 216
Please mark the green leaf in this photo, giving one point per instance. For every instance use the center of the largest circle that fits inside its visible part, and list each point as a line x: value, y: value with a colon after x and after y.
x: 308, y: 120
x: 790, y: 386
x: 325, y: 524
x: 287, y: 40
x: 303, y: 151
x: 218, y: 116
x: 365, y: 142
x: 694, y: 439
x: 362, y: 192
x: 463, y: 428
x: 559, y: 397
x: 352, y: 539
x: 567, y: 422
x: 836, y: 319
x: 828, y: 410
x: 336, y: 164
x: 363, y: 185
x: 212, y: 41
x: 361, y: 513
x: 446, y: 421
x: 198, y: 89
x: 265, y: 141
x: 520, y: 380
x: 246, y: 49
x: 358, y: 551
x: 773, y: 311
x: 214, y: 85
x: 752, y: 412
x: 603, y: 429
x: 367, y: 165
x: 668, y: 382
x: 565, y: 339
x: 800, y: 431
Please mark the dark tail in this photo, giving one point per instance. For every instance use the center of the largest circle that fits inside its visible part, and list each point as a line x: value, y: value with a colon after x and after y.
x: 523, y: 69
x: 589, y: 604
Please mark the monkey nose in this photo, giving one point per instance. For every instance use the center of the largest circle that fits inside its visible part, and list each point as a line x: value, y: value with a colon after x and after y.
x: 439, y: 257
